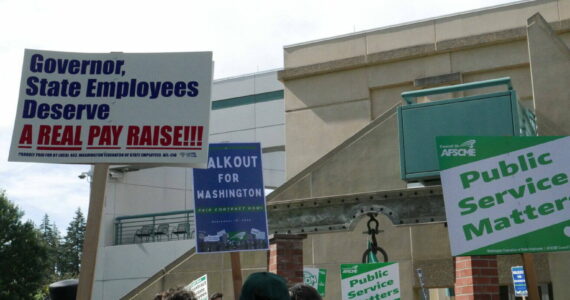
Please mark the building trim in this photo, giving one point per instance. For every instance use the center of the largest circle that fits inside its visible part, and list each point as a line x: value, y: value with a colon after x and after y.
x: 249, y: 99
x: 407, y: 53
x: 446, y: 17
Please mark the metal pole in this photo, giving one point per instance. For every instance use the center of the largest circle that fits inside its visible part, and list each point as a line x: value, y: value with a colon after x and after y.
x: 91, y: 242
x: 425, y: 293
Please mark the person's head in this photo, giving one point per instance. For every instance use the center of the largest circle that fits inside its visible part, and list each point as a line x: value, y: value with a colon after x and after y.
x: 176, y: 294
x: 264, y: 286
x: 216, y: 296
x: 301, y: 291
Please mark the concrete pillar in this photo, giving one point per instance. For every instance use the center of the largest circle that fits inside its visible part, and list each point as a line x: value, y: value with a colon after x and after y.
x: 550, y: 69
x: 476, y: 278
x: 285, y: 256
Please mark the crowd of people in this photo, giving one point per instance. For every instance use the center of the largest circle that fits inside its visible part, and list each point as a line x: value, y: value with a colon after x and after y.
x: 258, y: 286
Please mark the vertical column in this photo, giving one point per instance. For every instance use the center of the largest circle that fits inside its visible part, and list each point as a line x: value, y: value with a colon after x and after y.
x: 285, y: 256
x: 476, y: 278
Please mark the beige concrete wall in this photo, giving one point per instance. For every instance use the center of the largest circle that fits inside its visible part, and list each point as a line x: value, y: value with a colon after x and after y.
x: 328, y: 251
x: 337, y: 87
x: 423, y: 33
x: 318, y: 79
x: 323, y: 128
x: 216, y: 266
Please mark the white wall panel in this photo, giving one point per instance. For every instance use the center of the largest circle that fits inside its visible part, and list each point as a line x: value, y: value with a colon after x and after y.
x: 273, y: 178
x: 167, y: 177
x: 274, y: 160
x: 270, y: 113
x: 139, y: 199
x: 270, y: 136
x: 232, y: 119
x: 233, y: 87
x: 242, y: 136
x: 267, y: 82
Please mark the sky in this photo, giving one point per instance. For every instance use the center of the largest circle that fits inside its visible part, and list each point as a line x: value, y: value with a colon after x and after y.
x: 245, y: 37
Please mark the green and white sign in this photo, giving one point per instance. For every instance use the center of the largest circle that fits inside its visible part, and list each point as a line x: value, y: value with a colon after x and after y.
x: 316, y: 278
x: 370, y: 281
x: 506, y: 195
x: 199, y: 287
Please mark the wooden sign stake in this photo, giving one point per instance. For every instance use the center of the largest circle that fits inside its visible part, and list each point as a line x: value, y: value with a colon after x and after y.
x: 91, y: 242
x: 530, y: 275
x: 236, y: 274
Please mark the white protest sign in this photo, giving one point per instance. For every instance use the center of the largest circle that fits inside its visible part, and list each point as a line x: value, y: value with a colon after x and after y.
x: 370, y: 281
x: 507, y: 194
x: 199, y: 287
x: 316, y: 278
x: 113, y: 108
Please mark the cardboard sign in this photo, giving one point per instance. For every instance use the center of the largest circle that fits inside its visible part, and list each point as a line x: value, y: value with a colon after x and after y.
x: 229, y: 200
x: 115, y: 108
x: 316, y: 278
x: 519, y: 281
x: 199, y: 287
x: 506, y: 195
x: 370, y: 281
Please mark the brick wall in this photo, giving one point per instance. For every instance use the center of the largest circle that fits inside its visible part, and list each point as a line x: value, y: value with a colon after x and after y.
x: 476, y: 278
x: 285, y: 256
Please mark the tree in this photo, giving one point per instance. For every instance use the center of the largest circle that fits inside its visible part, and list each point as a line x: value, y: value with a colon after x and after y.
x: 73, y: 245
x: 50, y: 236
x: 23, y: 255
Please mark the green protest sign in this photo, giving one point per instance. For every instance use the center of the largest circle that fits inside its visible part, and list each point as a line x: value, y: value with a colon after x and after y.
x: 316, y: 278
x: 373, y: 281
x: 506, y: 195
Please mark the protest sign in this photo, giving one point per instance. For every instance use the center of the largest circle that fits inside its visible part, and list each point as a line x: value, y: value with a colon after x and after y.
x: 229, y: 200
x: 519, y: 281
x: 199, y: 287
x: 506, y: 195
x: 370, y: 281
x: 113, y: 108
x: 316, y: 278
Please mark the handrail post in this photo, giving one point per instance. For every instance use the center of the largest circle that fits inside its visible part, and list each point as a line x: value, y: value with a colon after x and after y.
x: 153, y: 226
x: 120, y: 233
x: 116, y: 232
x: 188, y: 227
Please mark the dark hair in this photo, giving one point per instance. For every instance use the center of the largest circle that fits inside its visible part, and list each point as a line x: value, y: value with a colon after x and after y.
x: 301, y: 291
x: 264, y: 286
x: 176, y: 294
x: 216, y: 295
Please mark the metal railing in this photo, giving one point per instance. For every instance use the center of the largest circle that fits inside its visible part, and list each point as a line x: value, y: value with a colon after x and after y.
x: 158, y: 227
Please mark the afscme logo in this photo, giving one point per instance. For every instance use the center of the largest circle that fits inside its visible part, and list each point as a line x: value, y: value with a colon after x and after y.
x: 465, y: 149
x: 458, y: 152
x: 469, y: 143
x: 352, y: 270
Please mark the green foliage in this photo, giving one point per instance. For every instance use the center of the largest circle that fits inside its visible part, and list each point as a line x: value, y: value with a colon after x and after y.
x: 51, y: 238
x: 32, y: 258
x: 70, y: 254
x: 23, y: 254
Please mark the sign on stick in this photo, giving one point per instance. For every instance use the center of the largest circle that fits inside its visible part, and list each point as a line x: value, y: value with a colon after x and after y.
x: 519, y: 281
x: 370, y: 281
x: 229, y: 200
x: 114, y: 108
x: 506, y: 195
x: 316, y: 278
x: 199, y: 287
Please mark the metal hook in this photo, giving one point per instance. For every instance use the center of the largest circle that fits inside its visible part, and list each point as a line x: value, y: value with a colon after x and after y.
x: 373, y: 245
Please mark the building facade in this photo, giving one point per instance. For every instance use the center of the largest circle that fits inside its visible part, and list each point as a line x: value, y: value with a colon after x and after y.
x: 247, y: 108
x: 341, y: 130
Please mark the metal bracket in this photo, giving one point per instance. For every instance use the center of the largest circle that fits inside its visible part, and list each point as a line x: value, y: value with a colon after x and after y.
x: 338, y: 213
